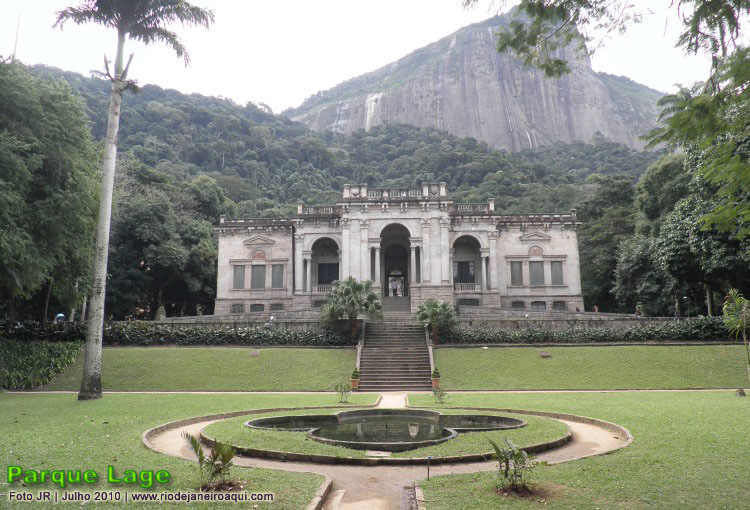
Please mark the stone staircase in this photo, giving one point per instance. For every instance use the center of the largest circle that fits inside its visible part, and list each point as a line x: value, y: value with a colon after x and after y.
x: 397, y: 308
x: 394, y: 356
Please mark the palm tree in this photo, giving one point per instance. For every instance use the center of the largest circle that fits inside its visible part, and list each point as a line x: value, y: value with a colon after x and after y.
x: 437, y: 315
x: 737, y: 318
x: 350, y: 298
x: 140, y: 20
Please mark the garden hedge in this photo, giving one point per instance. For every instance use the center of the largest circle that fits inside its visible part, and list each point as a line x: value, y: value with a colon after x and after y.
x: 26, y: 365
x: 144, y: 333
x: 698, y: 329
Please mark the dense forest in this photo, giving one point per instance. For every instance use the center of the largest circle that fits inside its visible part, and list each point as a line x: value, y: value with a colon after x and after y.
x: 184, y: 160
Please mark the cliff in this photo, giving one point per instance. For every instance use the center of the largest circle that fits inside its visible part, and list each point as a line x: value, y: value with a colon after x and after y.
x: 461, y: 84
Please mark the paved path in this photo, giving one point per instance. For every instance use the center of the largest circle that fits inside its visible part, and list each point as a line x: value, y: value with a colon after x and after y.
x: 382, y: 487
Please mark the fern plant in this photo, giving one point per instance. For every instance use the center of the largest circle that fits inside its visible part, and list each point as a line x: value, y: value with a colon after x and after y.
x: 214, y: 467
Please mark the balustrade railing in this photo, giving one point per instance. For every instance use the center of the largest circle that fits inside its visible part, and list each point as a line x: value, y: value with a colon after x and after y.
x: 321, y: 210
x: 470, y: 208
x: 466, y: 287
x: 323, y: 289
x: 394, y: 193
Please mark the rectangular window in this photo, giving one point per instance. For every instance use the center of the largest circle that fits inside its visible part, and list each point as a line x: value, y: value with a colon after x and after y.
x: 463, y: 272
x: 538, y: 306
x: 277, y: 306
x: 277, y: 276
x: 518, y: 305
x: 258, y: 277
x: 239, y: 277
x: 516, y: 274
x: 557, y: 274
x: 328, y: 273
x: 237, y: 308
x: 257, y: 307
x: 536, y: 273
x: 559, y: 306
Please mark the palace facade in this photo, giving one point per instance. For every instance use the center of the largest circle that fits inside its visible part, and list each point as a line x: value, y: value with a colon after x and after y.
x: 414, y: 243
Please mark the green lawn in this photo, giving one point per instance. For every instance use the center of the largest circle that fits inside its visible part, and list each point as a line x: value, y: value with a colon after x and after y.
x: 234, y: 432
x: 215, y: 368
x: 40, y: 431
x: 691, y: 451
x: 596, y: 367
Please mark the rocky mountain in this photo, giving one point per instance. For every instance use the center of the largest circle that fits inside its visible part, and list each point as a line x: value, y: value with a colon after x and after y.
x: 461, y: 84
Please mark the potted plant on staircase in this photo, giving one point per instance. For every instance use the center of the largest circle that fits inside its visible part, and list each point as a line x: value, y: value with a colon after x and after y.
x: 355, y: 379
x: 435, y: 378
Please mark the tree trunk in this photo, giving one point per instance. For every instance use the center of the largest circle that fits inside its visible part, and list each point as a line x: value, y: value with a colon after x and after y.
x: 45, y: 308
x: 83, y: 308
x: 710, y: 299
x: 91, y: 382
x: 435, y: 335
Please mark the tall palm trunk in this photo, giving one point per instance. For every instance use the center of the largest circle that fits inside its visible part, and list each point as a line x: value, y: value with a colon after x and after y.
x: 91, y: 382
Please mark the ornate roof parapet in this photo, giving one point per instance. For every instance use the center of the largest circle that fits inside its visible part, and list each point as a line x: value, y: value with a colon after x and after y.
x: 428, y: 191
x: 229, y: 226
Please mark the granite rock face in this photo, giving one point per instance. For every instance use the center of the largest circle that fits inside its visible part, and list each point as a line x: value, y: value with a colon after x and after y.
x: 462, y: 85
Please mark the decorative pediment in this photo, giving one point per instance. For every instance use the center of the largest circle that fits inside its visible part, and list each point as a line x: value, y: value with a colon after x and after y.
x: 258, y: 241
x: 535, y: 237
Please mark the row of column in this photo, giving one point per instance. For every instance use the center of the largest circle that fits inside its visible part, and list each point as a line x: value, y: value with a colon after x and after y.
x: 488, y: 256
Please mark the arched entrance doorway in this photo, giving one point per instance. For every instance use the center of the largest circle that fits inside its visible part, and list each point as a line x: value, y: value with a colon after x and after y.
x: 395, y: 247
x: 325, y: 265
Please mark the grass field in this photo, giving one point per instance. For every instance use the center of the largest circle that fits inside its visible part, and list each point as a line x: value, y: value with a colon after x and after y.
x: 234, y: 432
x: 39, y: 431
x: 595, y: 367
x: 691, y: 451
x: 215, y: 369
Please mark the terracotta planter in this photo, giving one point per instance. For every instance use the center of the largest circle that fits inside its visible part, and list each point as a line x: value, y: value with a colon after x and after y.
x: 435, y: 382
x: 355, y: 384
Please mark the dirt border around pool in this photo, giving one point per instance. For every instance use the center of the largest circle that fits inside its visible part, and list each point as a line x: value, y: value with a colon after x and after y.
x: 355, y: 461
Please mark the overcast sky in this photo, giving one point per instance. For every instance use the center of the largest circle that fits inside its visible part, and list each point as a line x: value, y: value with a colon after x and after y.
x: 283, y: 51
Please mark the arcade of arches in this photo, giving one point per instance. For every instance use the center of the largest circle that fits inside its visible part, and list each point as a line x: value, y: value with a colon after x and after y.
x: 414, y: 243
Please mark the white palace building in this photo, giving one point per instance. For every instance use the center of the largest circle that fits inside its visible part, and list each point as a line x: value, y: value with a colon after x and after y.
x: 414, y: 243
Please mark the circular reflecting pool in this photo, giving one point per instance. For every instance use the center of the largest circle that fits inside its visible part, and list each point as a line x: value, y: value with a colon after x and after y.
x: 392, y: 430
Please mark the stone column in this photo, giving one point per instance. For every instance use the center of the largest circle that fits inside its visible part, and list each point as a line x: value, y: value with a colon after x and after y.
x: 445, y: 249
x: 299, y: 271
x: 344, y: 266
x: 436, y: 269
x: 426, y: 252
x: 377, y: 268
x: 364, y: 249
x: 308, y: 274
x: 494, y: 282
x: 413, y: 266
x: 355, y: 265
x: 487, y: 280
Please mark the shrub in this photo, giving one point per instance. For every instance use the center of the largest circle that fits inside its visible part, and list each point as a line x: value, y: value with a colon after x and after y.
x: 349, y: 299
x: 344, y: 389
x: 698, y: 329
x: 26, y: 365
x: 437, y: 316
x: 514, y: 466
x: 214, y: 469
x: 439, y: 394
x: 144, y: 333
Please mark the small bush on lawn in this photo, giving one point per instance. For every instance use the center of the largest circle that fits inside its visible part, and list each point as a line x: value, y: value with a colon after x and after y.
x: 698, y: 329
x: 26, y: 365
x: 144, y: 333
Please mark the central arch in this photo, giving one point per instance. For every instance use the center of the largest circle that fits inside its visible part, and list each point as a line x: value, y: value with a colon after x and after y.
x: 395, y: 247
